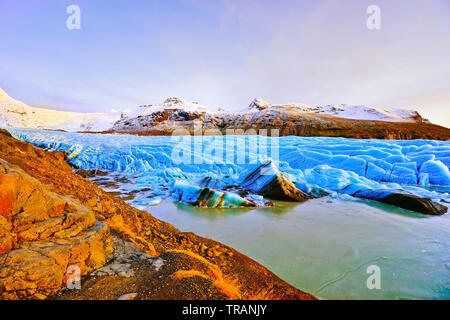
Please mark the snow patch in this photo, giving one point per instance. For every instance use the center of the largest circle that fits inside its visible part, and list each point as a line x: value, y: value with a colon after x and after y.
x: 358, y: 112
x: 15, y: 113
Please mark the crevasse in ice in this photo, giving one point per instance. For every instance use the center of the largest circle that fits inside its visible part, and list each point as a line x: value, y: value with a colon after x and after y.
x: 317, y: 165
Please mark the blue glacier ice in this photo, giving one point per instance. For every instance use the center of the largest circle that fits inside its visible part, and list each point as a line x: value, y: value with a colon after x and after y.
x: 206, y: 197
x: 438, y: 172
x: 317, y: 165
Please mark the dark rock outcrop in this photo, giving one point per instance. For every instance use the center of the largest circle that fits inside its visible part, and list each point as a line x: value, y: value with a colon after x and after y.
x: 5, y: 133
x: 404, y: 200
x: 90, y: 173
x: 271, y: 183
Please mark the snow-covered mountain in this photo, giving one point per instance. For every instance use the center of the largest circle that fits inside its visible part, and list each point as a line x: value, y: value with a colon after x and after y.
x: 359, y: 112
x: 291, y: 119
x: 168, y: 104
x: 175, y: 113
x: 15, y: 113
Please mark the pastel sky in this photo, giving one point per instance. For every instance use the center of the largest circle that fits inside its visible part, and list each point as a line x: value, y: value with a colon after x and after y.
x: 227, y: 52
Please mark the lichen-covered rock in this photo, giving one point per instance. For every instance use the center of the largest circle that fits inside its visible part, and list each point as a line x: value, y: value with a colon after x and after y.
x: 30, y: 212
x: 39, y: 269
x: 271, y: 183
x: 41, y: 234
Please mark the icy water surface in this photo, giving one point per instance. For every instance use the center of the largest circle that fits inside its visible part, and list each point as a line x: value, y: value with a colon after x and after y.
x: 322, y: 246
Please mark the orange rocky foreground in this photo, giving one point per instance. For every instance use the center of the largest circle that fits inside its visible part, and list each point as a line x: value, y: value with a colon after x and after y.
x: 51, y: 218
x: 41, y: 234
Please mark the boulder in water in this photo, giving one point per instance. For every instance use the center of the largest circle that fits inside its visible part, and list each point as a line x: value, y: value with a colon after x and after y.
x: 404, y: 200
x: 271, y: 183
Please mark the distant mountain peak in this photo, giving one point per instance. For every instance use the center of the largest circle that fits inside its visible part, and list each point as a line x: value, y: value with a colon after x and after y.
x: 175, y: 101
x: 258, y: 104
x: 358, y: 112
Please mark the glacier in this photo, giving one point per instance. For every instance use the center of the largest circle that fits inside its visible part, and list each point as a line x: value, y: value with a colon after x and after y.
x: 206, y: 197
x: 317, y: 165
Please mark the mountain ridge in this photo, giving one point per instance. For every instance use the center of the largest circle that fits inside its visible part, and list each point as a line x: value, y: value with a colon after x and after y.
x: 341, y: 120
